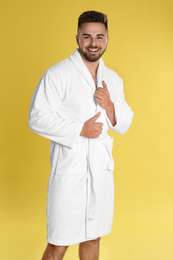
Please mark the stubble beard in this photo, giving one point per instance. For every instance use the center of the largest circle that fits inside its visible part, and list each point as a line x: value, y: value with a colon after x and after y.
x: 92, y: 57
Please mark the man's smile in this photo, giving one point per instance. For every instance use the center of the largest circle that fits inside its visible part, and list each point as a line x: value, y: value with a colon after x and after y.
x: 93, y: 50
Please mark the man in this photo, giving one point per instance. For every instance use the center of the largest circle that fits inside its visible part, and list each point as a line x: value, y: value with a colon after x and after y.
x: 75, y: 103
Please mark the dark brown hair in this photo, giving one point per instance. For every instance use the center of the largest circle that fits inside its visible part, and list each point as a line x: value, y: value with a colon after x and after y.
x: 93, y: 17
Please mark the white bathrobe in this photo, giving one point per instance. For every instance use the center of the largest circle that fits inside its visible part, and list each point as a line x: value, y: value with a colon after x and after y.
x: 80, y: 202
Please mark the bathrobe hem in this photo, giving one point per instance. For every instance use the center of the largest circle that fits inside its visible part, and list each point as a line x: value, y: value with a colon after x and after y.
x: 68, y: 243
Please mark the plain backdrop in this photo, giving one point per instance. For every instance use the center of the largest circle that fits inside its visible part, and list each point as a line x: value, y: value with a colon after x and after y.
x: 35, y: 35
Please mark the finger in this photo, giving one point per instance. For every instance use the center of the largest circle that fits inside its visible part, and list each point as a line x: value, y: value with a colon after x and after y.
x: 98, y: 132
x: 97, y: 100
x: 99, y: 124
x: 94, y: 118
x: 104, y: 85
x: 101, y: 90
x: 99, y: 96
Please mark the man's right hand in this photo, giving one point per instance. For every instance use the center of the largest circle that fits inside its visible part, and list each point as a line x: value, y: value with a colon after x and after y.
x: 92, y: 129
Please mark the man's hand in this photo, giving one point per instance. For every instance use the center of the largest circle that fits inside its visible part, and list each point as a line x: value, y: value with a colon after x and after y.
x: 92, y: 129
x: 102, y: 97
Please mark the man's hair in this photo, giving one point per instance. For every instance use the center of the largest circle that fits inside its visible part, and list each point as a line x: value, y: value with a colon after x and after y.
x: 93, y: 17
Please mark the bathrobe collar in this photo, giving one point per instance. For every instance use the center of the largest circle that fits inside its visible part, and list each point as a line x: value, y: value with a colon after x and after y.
x: 82, y: 68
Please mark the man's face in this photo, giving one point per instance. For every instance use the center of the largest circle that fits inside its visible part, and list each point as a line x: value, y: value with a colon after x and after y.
x: 92, y: 40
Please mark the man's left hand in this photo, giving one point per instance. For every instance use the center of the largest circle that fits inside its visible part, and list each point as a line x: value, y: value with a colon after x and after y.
x: 102, y: 97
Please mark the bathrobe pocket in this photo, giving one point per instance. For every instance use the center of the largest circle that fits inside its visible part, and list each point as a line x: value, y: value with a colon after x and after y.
x: 72, y: 161
x: 107, y: 161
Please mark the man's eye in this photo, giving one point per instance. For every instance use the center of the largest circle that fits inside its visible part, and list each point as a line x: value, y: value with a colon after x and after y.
x: 100, y: 37
x: 86, y: 37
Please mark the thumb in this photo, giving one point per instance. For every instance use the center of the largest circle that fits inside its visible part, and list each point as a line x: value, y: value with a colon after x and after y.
x: 94, y: 118
x: 104, y: 85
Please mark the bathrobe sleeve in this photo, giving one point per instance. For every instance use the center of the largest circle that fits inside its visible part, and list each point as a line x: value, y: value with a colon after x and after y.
x: 44, y: 117
x: 123, y: 112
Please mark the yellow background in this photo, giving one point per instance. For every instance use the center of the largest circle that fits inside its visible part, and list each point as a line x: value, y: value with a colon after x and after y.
x: 35, y: 35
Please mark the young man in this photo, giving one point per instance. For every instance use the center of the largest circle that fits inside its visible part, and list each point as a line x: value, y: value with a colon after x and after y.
x: 75, y: 103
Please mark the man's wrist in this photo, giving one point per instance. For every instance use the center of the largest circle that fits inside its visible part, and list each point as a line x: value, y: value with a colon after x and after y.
x: 110, y: 108
x: 111, y: 114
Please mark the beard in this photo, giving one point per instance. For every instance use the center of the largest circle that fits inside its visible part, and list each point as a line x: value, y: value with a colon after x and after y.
x: 93, y: 56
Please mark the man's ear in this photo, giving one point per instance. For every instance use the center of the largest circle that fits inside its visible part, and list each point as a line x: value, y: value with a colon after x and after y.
x: 77, y: 39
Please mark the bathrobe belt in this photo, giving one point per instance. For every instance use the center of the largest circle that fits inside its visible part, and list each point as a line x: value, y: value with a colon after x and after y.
x: 92, y: 200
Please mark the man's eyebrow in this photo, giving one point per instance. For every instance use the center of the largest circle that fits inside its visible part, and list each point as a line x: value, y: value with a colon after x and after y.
x: 87, y: 34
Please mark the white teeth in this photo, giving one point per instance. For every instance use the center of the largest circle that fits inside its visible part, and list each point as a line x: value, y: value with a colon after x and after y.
x: 93, y: 50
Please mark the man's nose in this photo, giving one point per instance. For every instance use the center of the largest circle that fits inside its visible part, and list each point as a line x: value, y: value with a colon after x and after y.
x: 93, y: 41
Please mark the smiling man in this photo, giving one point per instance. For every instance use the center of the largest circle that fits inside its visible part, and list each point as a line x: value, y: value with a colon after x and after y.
x: 75, y: 103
